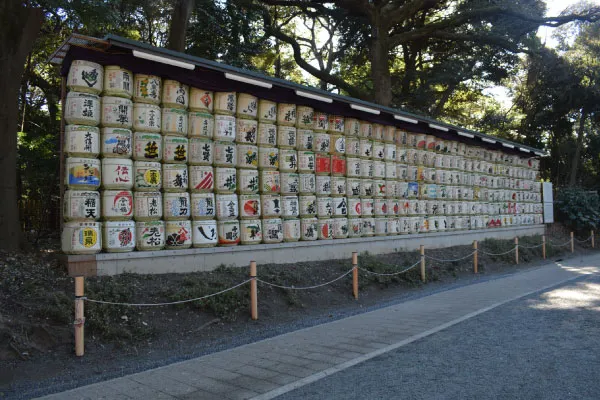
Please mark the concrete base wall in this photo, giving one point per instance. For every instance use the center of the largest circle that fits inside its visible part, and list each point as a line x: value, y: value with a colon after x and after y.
x: 207, y: 259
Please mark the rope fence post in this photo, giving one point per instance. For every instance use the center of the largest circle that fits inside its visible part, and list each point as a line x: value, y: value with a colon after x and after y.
x: 475, y: 266
x: 572, y: 243
x: 355, y: 274
x: 79, y: 316
x: 422, y: 248
x: 517, y: 250
x: 593, y: 239
x: 544, y: 247
x: 253, y: 291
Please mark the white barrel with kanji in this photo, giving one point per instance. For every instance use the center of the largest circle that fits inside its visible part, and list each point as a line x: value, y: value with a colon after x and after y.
x: 147, y: 176
x: 178, y: 235
x: 85, y: 76
x: 366, y: 188
x: 149, y: 235
x: 270, y: 205
x: 337, y: 144
x: 225, y: 154
x: 380, y: 207
x: 227, y: 206
x: 82, y: 141
x: 368, y: 226
x: 147, y: 117
x: 323, y: 185
x: 117, y: 205
x: 381, y: 226
x: 353, y: 146
x: 201, y: 178
x: 175, y: 149
x: 290, y: 207
x: 116, y: 112
x: 224, y: 128
x: 354, y: 207
x: 307, y: 183
x: 366, y: 129
x: 174, y: 122
x: 286, y: 114
x: 201, y: 100
x: 200, y: 124
x: 354, y: 227
x: 116, y: 143
x: 320, y: 121
x: 246, y: 131
x: 290, y: 183
x: 226, y: 180
x: 351, y: 127
x: 249, y: 206
x: 81, y: 205
x: 269, y: 181
x: 393, y: 226
x: 200, y: 151
x: 204, y: 233
x: 267, y: 134
x: 175, y: 94
x: 378, y: 169
x: 367, y: 207
x: 146, y: 89
x: 175, y: 177
x: 340, y: 228
x: 118, y: 236
x: 203, y: 206
x: 338, y: 186
x: 305, y: 139
x: 147, y: 206
x: 147, y: 146
x: 81, y: 237
x: 286, y: 137
x: 340, y: 207
x: 225, y: 103
x: 325, y: 207
x: 247, y: 181
x: 82, y: 109
x: 291, y: 230
x: 272, y: 230
x: 308, y: 206
x: 321, y: 142
x: 325, y: 228
x: 228, y: 233
x: 304, y: 117
x: 288, y: 160
x: 247, y: 106
x: 353, y: 187
x: 251, y: 231
x: 117, y: 173
x: 309, y: 229
x: 176, y: 206
x: 268, y: 158
x: 306, y: 161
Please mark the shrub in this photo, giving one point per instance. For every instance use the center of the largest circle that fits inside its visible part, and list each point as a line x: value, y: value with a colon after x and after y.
x: 578, y: 208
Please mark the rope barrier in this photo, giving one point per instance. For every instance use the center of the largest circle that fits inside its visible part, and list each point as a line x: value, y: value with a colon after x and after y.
x: 168, y: 303
x: 559, y: 245
x: 530, y: 247
x: 498, y: 254
x: 390, y: 274
x: 453, y: 260
x: 305, y: 287
x: 583, y: 241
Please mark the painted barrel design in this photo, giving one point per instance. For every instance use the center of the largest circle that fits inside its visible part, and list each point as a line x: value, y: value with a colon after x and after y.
x: 267, y: 134
x: 286, y: 114
x: 175, y: 94
x: 378, y: 169
x: 389, y: 153
x: 204, y: 233
x: 118, y: 236
x: 272, y: 230
x: 288, y: 160
x: 82, y: 109
x: 246, y: 131
x: 351, y: 127
x: 354, y: 207
x: 322, y: 164
x: 81, y: 205
x: 308, y: 206
x: 227, y: 206
x: 267, y: 110
x: 228, y: 233
x: 290, y: 183
x: 269, y: 181
x: 201, y: 100
x: 247, y: 106
x: 338, y: 186
x: 304, y: 117
x: 147, y: 117
x: 353, y: 187
x: 325, y: 228
x: 354, y: 227
x: 287, y: 137
x: 225, y: 154
x: 147, y: 206
x: 174, y: 122
x: 291, y: 230
x: 117, y: 173
x: 117, y: 205
x: 224, y: 128
x: 367, y: 169
x: 321, y: 142
x: 268, y: 158
x: 309, y: 229
x: 118, y: 81
x: 175, y: 149
x: 150, y: 235
x: 175, y: 177
x: 147, y: 146
x: 201, y: 151
x: 378, y: 150
x: 249, y: 206
x: 381, y: 226
x: 290, y: 207
x: 393, y: 207
x: 378, y: 132
x: 368, y: 226
x: 366, y: 148
x: 367, y: 207
x: 147, y: 175
x: 270, y: 205
x: 146, y: 88
x: 391, y: 188
x: 366, y: 129
x: 247, y: 181
x: 82, y: 141
x: 116, y: 143
x: 380, y: 207
x: 85, y: 76
x: 340, y: 228
x: 251, y: 231
x: 178, y: 235
x: 353, y: 167
x: 325, y: 207
x: 200, y: 124
x: 306, y: 162
x: 307, y: 183
x: 320, y: 122
x: 323, y: 185
x: 353, y: 146
x: 367, y: 188
x: 389, y: 134
x: 176, y: 206
x: 305, y: 139
x: 225, y: 103
x: 116, y: 112
x: 81, y: 238
x: 340, y: 207
x: 336, y: 124
x: 203, y: 206
x: 338, y: 165
x: 201, y: 178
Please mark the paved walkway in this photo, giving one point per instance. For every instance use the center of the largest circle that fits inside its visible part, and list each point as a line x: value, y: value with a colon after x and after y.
x: 271, y: 367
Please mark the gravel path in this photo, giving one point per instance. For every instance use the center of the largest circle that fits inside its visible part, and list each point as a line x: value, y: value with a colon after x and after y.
x: 544, y: 346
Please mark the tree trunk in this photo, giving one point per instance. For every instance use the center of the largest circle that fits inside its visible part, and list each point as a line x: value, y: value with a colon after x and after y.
x: 179, y: 24
x: 20, y: 26
x: 578, y: 148
x: 380, y: 68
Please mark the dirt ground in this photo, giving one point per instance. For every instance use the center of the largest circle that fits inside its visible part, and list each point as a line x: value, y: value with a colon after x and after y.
x: 36, y: 308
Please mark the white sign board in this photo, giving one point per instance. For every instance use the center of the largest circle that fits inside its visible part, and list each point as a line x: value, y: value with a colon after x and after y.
x: 548, y: 213
x: 547, y: 192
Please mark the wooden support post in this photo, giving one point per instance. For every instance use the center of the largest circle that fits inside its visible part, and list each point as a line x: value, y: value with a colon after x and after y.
x: 355, y: 274
x: 423, y: 263
x: 544, y: 247
x: 517, y: 250
x: 475, y: 266
x: 253, y: 291
x: 572, y: 243
x: 593, y: 244
x: 79, y: 316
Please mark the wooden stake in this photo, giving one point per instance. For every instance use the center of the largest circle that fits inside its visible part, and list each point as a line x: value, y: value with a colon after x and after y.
x: 79, y: 316
x: 423, y: 263
x: 475, y: 266
x: 355, y: 274
x: 572, y: 243
x: 592, y: 238
x: 517, y: 250
x: 253, y: 291
x: 544, y: 246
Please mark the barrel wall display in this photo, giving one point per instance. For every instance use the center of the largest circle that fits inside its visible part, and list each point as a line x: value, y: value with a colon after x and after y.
x: 119, y: 236
x: 81, y: 205
x: 117, y: 173
x: 81, y: 238
x: 150, y: 235
x: 82, y: 109
x: 147, y: 117
x: 201, y: 100
x: 85, y: 76
x: 118, y: 81
x: 82, y: 141
x: 147, y: 88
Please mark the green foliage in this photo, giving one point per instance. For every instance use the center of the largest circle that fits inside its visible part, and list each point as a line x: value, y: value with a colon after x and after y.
x: 578, y: 208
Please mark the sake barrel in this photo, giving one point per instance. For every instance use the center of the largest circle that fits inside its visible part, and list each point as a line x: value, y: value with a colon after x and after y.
x: 119, y: 236
x: 272, y: 230
x: 268, y: 158
x: 247, y: 180
x: 389, y: 134
x: 81, y: 205
x: 325, y: 228
x: 291, y: 230
x: 351, y: 127
x: 367, y: 207
x: 176, y: 206
x: 338, y: 165
x: 286, y: 114
x: 203, y: 206
x: 225, y: 154
x: 146, y: 89
x: 201, y: 100
x: 389, y: 153
x: 116, y: 112
x: 270, y: 205
x: 247, y: 106
x: 147, y: 146
x: 354, y: 207
x: 85, y: 76
x: 174, y: 122
x: 366, y: 188
x: 340, y: 228
x: 81, y: 238
x: 366, y: 129
x: 82, y: 141
x: 204, y: 233
x: 147, y: 176
x: 267, y: 134
x: 82, y: 109
x: 323, y: 185
x: 430, y: 142
x: 118, y: 81
x: 378, y: 132
x: 324, y: 207
x: 353, y: 167
x: 149, y: 235
x: 147, y: 206
x: 307, y: 205
x: 200, y: 124
x: 403, y: 226
x: 378, y: 169
x: 288, y: 160
x: 380, y: 207
x: 352, y: 146
x: 246, y: 131
x: 421, y: 140
x: 309, y: 229
x: 247, y: 156
x: 413, y: 190
x: 338, y: 186
x: 366, y: 168
x: 224, y: 128
x: 368, y: 226
x: 307, y: 183
x: 226, y: 180
x: 304, y: 139
x: 175, y: 149
x: 117, y: 205
x: 225, y: 103
x: 287, y: 137
x: 117, y: 173
x: 147, y: 117
x: 267, y: 111
x: 381, y: 226
x: 322, y: 164
x: 440, y: 145
x: 391, y: 188
x: 304, y: 117
x: 249, y: 206
x: 402, y: 189
x: 178, y: 235
x: 306, y: 161
x: 401, y: 155
x: 116, y: 142
x: 320, y: 122
x: 393, y: 207
x: 201, y: 151
x: 411, y: 139
x: 336, y: 124
x: 366, y: 148
x: 227, y: 206
x: 401, y: 138
x: 378, y: 150
x: 340, y: 207
x: 269, y: 181
x: 228, y: 232
x: 251, y: 231
x: 290, y: 207
x: 175, y: 177
x: 290, y: 183
x: 391, y: 172
x: 322, y: 142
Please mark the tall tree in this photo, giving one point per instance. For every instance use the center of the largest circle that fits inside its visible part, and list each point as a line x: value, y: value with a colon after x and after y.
x: 182, y: 10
